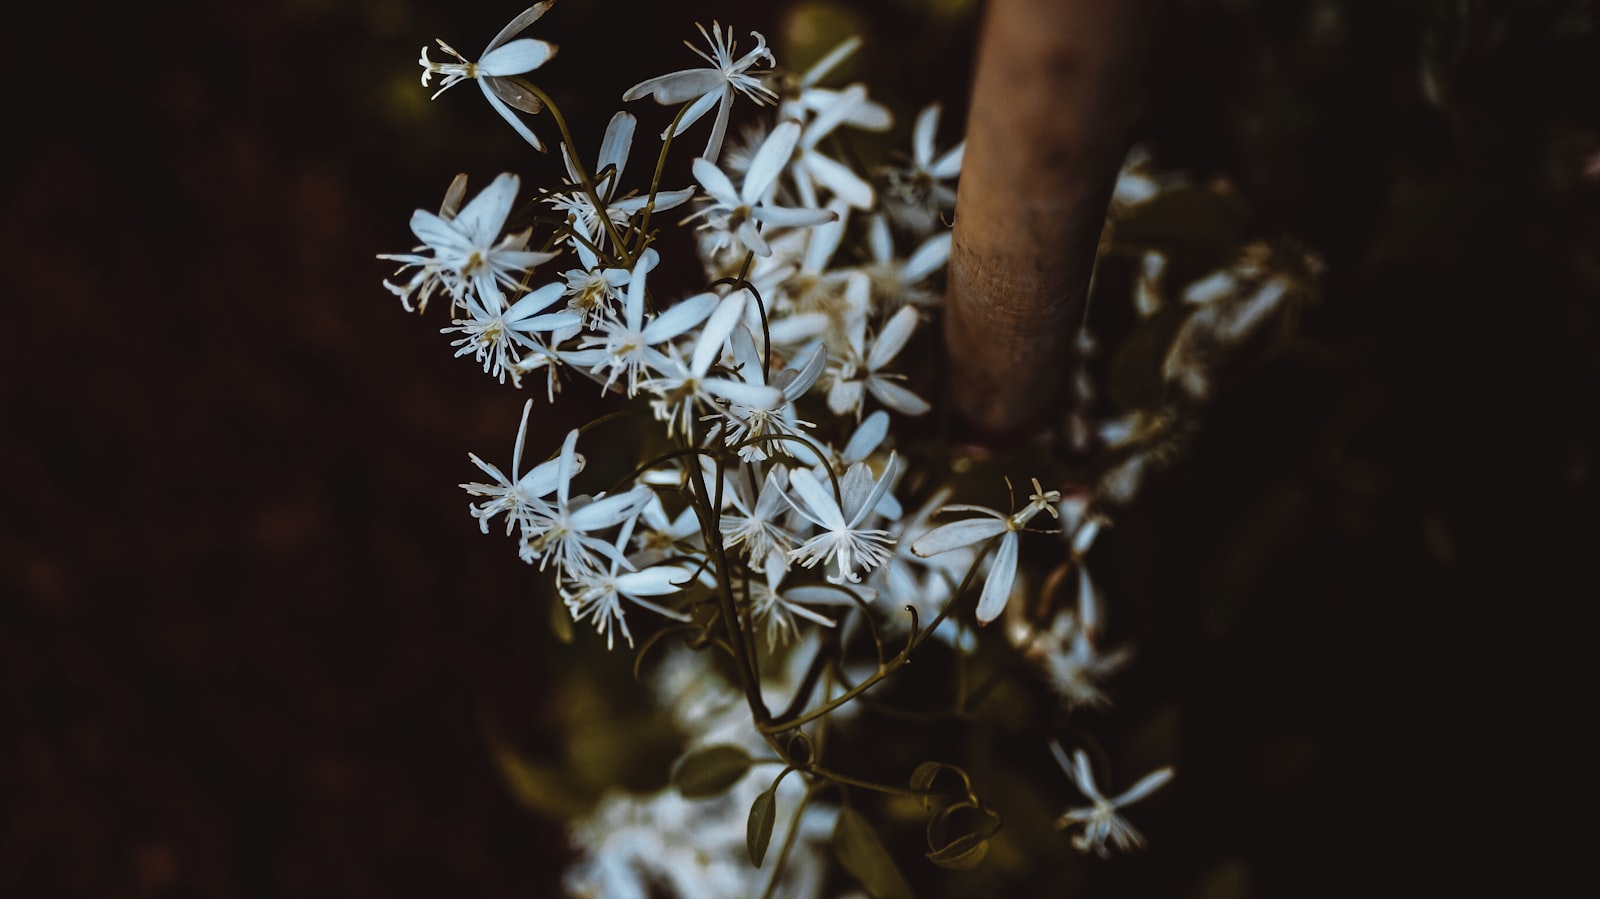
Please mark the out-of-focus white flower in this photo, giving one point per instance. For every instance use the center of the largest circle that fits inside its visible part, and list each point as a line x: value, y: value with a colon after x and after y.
x: 498, y: 62
x: 900, y: 282
x: 778, y: 609
x: 734, y: 214
x: 714, y: 85
x: 860, y: 370
x: 1100, y: 819
x: 1069, y: 659
x: 843, y: 540
x: 970, y: 531
x: 917, y: 193
x: 811, y: 167
x: 468, y: 252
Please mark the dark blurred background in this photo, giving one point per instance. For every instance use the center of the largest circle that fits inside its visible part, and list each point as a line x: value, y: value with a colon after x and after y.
x: 251, y: 639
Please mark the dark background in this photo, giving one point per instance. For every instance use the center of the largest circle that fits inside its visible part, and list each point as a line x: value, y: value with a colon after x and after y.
x: 250, y: 637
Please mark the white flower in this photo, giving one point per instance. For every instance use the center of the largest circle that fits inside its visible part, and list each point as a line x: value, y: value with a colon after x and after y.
x: 756, y: 522
x: 598, y: 595
x: 745, y: 423
x: 811, y: 167
x: 1100, y: 819
x: 566, y: 533
x: 711, y: 86
x: 843, y: 539
x: 860, y: 370
x: 736, y: 213
x: 969, y: 531
x: 520, y: 498
x: 582, y: 213
x: 625, y: 346
x: 900, y: 282
x: 491, y: 331
x: 779, y: 609
x: 681, y: 388
x: 500, y: 60
x: 916, y: 194
x: 1070, y: 660
x: 468, y: 252
x: 803, y: 95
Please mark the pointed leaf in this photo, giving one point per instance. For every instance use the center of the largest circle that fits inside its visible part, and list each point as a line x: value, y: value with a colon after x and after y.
x: 758, y: 833
x: 862, y: 854
x: 710, y: 770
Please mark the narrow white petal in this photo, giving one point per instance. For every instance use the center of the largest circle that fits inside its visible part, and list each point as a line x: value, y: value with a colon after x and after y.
x: 535, y: 301
x: 837, y: 177
x: 844, y: 396
x: 868, y: 435
x: 755, y: 396
x: 784, y: 217
x: 694, y: 113
x: 566, y: 469
x: 896, y: 397
x: 658, y: 581
x: 922, y: 135
x: 510, y: 117
x: 860, y: 512
x: 715, y: 183
x: 610, y: 510
x: 485, y: 215
x: 823, y: 66
x: 770, y: 160
x: 928, y: 258
x: 616, y: 145
x: 1146, y: 785
x: 949, y: 165
x: 807, y: 369
x: 997, y: 589
x: 750, y: 237
x: 820, y: 506
x: 521, y: 22
x: 676, y: 87
x: 717, y: 329
x: 680, y: 318
x: 956, y: 534
x: 892, y: 339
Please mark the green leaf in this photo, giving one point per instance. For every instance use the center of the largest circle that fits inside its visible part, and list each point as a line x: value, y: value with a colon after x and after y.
x: 709, y: 771
x: 862, y: 854
x: 759, y: 831
x: 964, y: 854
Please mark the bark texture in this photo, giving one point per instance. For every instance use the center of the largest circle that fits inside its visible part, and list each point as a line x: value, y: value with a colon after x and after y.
x: 1057, y: 89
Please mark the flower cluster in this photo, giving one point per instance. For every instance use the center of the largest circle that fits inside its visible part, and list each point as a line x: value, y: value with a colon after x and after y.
x: 774, y: 513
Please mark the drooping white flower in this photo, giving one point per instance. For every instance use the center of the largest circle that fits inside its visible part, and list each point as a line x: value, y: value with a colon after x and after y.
x: 971, y: 531
x: 499, y: 61
x: 734, y: 214
x: 843, y: 540
x: 1100, y: 820
x: 468, y: 252
x: 756, y: 522
x: 1069, y: 659
x: 777, y: 609
x: 710, y: 86
x: 744, y: 424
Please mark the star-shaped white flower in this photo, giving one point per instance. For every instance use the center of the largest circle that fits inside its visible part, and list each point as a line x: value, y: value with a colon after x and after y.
x: 843, y: 540
x: 970, y: 531
x: 736, y: 213
x: 714, y: 85
x: 917, y: 194
x: 499, y: 61
x: 522, y: 499
x: 1100, y: 819
x: 468, y: 252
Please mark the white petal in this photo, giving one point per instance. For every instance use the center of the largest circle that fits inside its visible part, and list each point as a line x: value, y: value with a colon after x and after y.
x: 610, y: 510
x: 820, y: 506
x: 717, y: 330
x: 783, y: 217
x: 949, y: 165
x: 677, y: 87
x: 997, y: 589
x: 928, y: 258
x: 769, y: 161
x: 750, y: 237
x: 868, y: 435
x: 614, y: 148
x: 680, y: 318
x: 844, y: 396
x: 515, y: 58
x: 658, y: 581
x: 837, y: 177
x: 809, y: 368
x: 956, y: 534
x: 715, y: 183
x: 823, y: 66
x: 483, y: 218
x: 521, y: 22
x: 1146, y: 785
x: 896, y: 397
x: 879, y: 490
x: 510, y: 117
x: 922, y: 135
x: 535, y: 301
x: 755, y: 396
x: 566, y: 469
x: 892, y: 339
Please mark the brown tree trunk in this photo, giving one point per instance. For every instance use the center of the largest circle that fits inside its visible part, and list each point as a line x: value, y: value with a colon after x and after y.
x: 1057, y: 90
